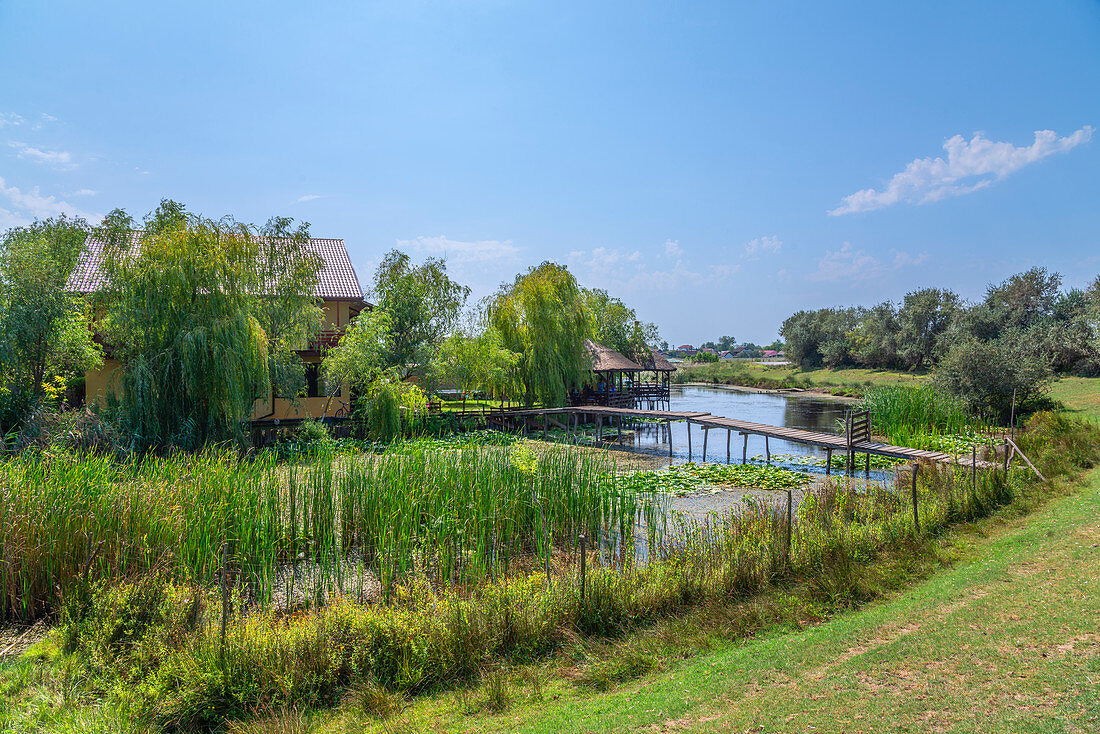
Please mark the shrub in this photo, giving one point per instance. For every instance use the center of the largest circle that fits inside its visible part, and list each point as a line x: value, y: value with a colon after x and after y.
x: 988, y: 375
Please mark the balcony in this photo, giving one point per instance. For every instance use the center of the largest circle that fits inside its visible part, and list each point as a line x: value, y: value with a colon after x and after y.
x: 323, y: 340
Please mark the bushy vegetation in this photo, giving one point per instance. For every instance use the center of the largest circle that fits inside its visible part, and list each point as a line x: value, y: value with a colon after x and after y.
x: 154, y: 649
x: 1024, y: 330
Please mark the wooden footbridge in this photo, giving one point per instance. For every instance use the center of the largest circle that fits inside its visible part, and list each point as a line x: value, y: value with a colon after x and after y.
x: 856, y: 439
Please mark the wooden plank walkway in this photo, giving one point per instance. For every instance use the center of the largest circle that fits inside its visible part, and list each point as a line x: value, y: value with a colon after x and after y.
x: 828, y: 441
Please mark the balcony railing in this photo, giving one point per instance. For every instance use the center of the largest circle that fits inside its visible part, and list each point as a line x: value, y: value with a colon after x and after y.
x: 324, y: 340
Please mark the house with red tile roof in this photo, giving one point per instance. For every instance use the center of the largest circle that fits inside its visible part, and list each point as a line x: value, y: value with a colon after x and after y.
x: 338, y: 293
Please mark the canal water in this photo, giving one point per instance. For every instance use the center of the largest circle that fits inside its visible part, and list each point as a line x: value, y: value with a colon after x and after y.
x: 790, y: 410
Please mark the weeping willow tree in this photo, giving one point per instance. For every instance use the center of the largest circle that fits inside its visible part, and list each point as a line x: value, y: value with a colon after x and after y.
x: 183, y: 299
x: 541, y: 317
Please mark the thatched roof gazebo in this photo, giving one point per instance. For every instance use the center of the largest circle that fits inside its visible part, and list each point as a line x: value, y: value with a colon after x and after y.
x: 608, y: 386
x: 656, y: 394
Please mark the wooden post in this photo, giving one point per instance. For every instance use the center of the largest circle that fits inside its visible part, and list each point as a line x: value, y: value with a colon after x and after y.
x: 583, y: 554
x: 706, y: 435
x: 745, y: 449
x: 867, y: 468
x: 545, y: 425
x: 767, y: 452
x: 689, y: 441
x: 668, y: 424
x: 1006, y: 459
x: 729, y: 435
x: 599, y: 429
x: 916, y: 519
x: 973, y: 469
x: 828, y: 462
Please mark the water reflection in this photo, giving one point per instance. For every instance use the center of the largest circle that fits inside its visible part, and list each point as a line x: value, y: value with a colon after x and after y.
x: 790, y: 410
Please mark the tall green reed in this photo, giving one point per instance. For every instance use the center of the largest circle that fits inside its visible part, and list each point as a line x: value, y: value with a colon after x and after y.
x: 455, y: 517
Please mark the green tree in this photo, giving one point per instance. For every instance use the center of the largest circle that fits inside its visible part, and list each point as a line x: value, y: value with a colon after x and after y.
x: 479, y: 363
x: 923, y: 319
x: 184, y: 297
x: 988, y: 375
x: 820, y: 338
x: 359, y: 362
x: 423, y: 304
x: 873, y: 340
x: 1026, y: 299
x: 541, y: 317
x: 288, y: 310
x: 43, y: 326
x: 616, y: 325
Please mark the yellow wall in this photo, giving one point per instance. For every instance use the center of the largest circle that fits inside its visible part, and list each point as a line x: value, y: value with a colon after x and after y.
x: 99, y: 383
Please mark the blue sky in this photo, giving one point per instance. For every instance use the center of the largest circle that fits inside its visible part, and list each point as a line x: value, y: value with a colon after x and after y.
x: 717, y: 165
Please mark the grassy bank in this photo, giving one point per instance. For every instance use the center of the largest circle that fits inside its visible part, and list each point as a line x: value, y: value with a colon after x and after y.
x: 1005, y: 640
x: 1080, y: 395
x: 850, y: 382
x: 148, y: 652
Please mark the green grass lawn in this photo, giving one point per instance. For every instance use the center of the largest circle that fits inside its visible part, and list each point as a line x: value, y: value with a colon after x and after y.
x: 850, y: 381
x: 1080, y: 395
x: 1005, y: 640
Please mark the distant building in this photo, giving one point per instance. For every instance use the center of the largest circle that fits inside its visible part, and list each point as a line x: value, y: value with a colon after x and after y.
x: 770, y: 353
x: 727, y: 354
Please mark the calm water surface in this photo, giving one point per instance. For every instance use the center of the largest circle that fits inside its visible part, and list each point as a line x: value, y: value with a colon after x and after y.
x: 793, y: 411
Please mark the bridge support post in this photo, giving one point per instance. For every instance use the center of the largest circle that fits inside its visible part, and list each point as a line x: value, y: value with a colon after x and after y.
x: 668, y: 426
x: 729, y: 435
x: 867, y: 469
x: 706, y: 435
x: 745, y: 449
x: 599, y: 429
x: 828, y: 462
x: 689, y: 441
x: 767, y: 452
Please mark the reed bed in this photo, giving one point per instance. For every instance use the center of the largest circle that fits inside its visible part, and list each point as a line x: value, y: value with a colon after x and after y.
x: 918, y: 415
x: 348, y: 525
x: 431, y: 635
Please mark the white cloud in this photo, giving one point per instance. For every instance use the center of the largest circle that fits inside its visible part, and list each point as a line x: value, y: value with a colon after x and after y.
x: 10, y: 119
x: 853, y: 265
x: 628, y: 274
x: 84, y: 192
x: 459, y: 251
x: 56, y: 158
x: 971, y: 165
x: 28, y: 205
x: 307, y: 197
x: 760, y: 245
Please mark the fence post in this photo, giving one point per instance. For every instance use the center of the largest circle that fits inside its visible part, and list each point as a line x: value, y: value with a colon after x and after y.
x: 973, y: 469
x: 1006, y: 460
x: 584, y: 554
x: 790, y: 523
x: 916, y: 519
x: 225, y: 594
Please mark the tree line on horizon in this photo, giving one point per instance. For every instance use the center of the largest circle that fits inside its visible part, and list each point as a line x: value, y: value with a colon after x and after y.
x: 1012, y: 342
